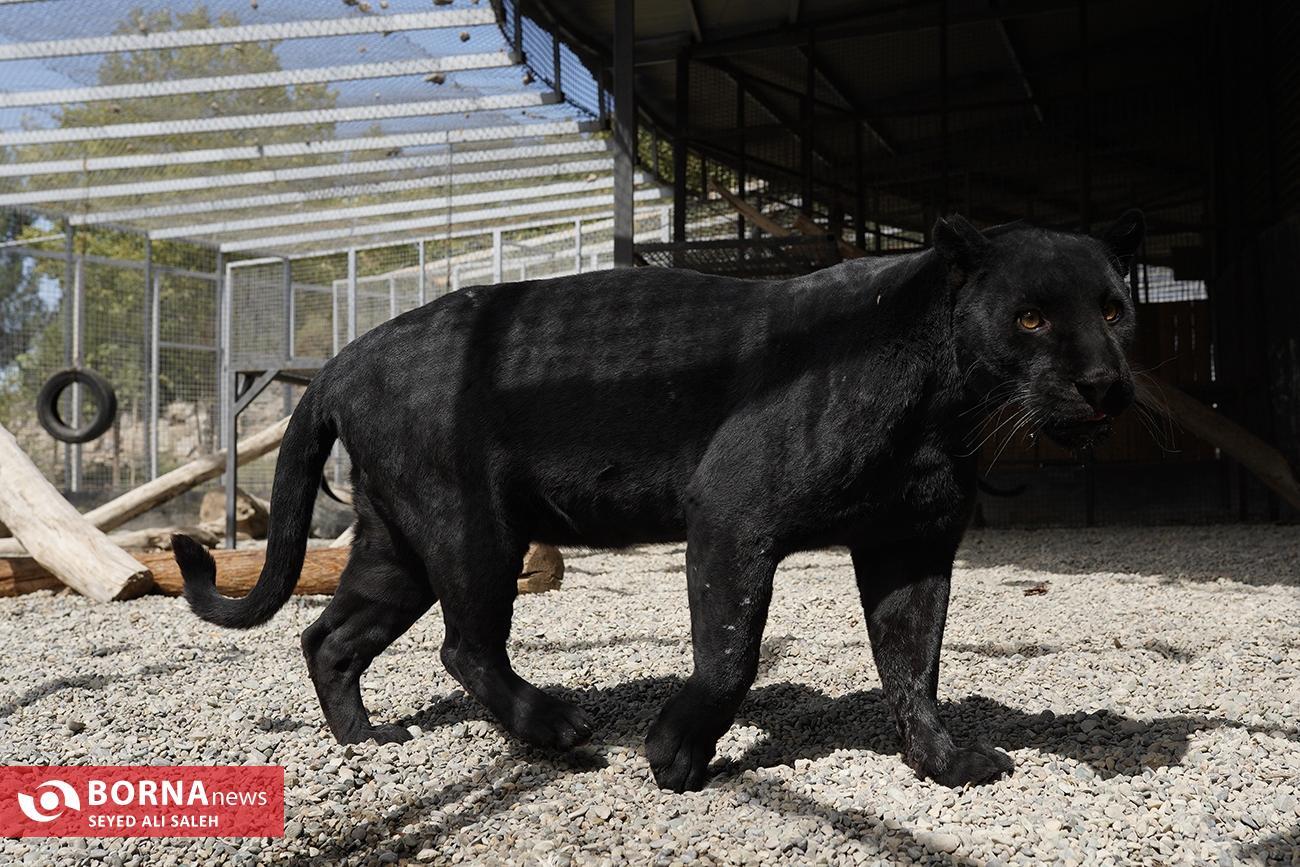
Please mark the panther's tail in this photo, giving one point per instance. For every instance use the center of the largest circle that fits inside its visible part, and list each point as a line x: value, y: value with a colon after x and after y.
x: 303, y: 454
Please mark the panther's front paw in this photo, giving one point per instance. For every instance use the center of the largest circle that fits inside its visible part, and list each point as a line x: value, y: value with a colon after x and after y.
x: 679, y: 762
x: 969, y: 765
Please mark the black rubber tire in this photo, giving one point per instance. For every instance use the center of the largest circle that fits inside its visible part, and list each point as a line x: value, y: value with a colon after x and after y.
x: 101, y: 394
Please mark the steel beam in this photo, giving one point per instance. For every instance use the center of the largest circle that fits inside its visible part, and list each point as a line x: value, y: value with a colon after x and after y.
x: 415, y: 225
x: 280, y: 176
x: 305, y: 148
x: 248, y: 81
x: 313, y: 28
x: 273, y: 200
x: 402, y: 206
x: 624, y: 130
x: 269, y: 120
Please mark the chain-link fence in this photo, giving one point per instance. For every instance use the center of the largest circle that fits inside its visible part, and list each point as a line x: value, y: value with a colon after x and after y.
x: 148, y: 316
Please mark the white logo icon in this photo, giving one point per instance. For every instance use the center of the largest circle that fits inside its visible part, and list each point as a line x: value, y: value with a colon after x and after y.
x: 57, y: 797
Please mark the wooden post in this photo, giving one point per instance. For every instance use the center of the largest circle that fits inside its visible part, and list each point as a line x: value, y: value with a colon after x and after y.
x: 58, y: 537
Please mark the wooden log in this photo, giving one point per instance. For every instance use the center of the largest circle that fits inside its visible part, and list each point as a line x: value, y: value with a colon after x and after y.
x: 238, y: 571
x: 137, y: 501
x: 70, y: 547
x: 1266, y: 463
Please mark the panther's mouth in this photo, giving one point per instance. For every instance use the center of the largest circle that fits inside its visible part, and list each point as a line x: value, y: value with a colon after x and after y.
x: 1081, y: 432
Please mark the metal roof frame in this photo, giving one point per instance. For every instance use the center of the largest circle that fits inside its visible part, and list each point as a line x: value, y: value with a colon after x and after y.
x: 311, y: 28
x: 268, y: 120
x: 278, y: 150
x: 252, y: 80
x: 274, y: 176
x: 267, y: 244
x: 206, y: 206
x: 401, y: 206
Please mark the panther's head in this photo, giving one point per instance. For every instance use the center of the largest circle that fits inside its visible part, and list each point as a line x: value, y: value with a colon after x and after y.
x: 1042, y: 321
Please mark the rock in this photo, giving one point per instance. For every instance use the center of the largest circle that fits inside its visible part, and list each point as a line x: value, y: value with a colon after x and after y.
x: 543, y: 569
x: 252, y: 514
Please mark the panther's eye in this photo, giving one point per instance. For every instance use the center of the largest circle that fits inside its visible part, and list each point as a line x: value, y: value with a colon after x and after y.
x: 1110, y: 311
x: 1031, y: 320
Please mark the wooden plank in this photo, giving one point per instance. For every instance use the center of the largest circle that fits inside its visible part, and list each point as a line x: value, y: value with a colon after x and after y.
x: 238, y: 571
x: 58, y: 537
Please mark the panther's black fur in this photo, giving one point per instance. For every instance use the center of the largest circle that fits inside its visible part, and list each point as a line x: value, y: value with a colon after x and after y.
x: 752, y: 419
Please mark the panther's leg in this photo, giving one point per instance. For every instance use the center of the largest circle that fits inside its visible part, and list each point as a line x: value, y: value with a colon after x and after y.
x: 381, y: 592
x: 730, y: 586
x: 476, y: 572
x: 904, y: 592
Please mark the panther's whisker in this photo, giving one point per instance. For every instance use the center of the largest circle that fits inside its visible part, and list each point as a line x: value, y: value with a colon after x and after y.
x: 1010, y: 437
x: 993, y: 432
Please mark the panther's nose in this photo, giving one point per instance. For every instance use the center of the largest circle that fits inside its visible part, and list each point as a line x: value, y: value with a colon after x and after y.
x: 1097, y: 387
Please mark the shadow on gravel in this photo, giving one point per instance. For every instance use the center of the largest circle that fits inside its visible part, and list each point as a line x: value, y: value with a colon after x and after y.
x: 800, y: 723
x: 1259, y: 555
x: 1280, y: 848
x: 81, y: 681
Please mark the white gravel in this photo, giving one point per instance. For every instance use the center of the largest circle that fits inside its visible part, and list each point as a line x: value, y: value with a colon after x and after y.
x: 1149, y: 699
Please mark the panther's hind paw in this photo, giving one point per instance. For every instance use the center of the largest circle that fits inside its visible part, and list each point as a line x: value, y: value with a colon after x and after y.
x: 973, y: 765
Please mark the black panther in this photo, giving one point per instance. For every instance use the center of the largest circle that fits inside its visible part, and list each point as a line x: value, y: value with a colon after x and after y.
x: 750, y: 418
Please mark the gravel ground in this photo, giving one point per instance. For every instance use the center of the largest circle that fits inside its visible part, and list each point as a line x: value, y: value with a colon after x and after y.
x: 1149, y: 699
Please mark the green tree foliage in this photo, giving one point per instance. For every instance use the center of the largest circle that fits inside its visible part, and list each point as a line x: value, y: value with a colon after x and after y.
x: 22, y: 313
x: 115, y: 313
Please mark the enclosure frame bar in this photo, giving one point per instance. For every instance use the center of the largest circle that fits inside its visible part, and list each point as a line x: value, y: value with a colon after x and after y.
x: 624, y: 131
x: 270, y: 120
x: 308, y: 147
x: 421, y: 280
x: 387, y: 228
x: 496, y: 256
x: 69, y: 282
x: 153, y: 329
x: 507, y: 156
x: 345, y: 169
x: 326, y: 215
x: 309, y: 28
x: 78, y: 361
x: 253, y: 80
x: 577, y: 246
x: 352, y: 295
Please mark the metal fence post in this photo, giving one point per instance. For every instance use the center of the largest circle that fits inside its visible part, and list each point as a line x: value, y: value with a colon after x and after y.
x: 155, y: 369
x: 149, y: 417
x: 352, y: 294
x: 78, y: 360
x: 69, y: 313
x: 420, y: 290
x: 290, y: 312
x: 577, y: 246
x: 624, y: 131
x: 496, y: 255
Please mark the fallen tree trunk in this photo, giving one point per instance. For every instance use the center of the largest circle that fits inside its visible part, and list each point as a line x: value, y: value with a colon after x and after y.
x: 137, y: 501
x: 238, y: 571
x: 1266, y: 463
x: 59, y: 538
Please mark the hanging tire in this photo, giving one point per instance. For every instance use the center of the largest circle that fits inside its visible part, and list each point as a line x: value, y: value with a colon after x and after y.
x: 101, y: 394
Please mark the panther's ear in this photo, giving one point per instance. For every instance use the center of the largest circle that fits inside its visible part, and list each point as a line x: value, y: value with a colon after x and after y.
x: 1124, y: 238
x: 961, y: 245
